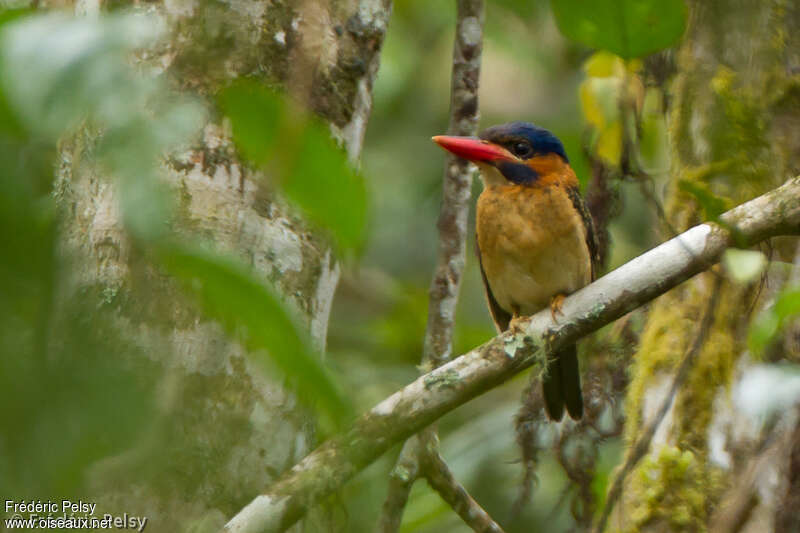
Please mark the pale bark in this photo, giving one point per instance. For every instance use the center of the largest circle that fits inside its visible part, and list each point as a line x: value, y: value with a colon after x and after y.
x: 228, y: 429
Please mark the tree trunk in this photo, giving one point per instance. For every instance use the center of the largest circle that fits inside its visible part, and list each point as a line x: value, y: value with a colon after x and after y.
x: 733, y: 131
x: 227, y: 429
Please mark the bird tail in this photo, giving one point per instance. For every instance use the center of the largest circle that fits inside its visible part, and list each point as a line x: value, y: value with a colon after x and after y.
x: 561, y: 385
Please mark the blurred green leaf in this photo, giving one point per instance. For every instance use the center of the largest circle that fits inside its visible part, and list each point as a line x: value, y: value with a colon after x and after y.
x: 66, y: 409
x: 608, y: 145
x: 600, y: 100
x: 769, y: 323
x: 58, y: 71
x: 628, y: 28
x: 65, y: 404
x: 11, y: 14
x: 9, y: 123
x: 256, y: 114
x: 744, y: 266
x: 247, y: 309
x: 146, y: 205
x: 296, y: 150
x: 60, y: 68
x: 324, y: 185
x: 788, y: 303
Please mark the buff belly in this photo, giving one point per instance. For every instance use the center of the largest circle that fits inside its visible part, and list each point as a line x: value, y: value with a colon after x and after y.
x: 533, y: 246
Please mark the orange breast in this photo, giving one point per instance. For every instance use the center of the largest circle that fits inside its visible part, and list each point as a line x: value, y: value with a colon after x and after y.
x: 532, y: 243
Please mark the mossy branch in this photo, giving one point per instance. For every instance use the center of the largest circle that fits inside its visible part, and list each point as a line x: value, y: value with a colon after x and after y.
x: 436, y: 393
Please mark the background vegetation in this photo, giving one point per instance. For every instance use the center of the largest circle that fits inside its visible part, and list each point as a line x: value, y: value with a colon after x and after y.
x: 67, y: 367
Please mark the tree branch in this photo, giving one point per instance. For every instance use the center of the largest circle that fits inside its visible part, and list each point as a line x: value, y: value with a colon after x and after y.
x: 431, y: 396
x: 446, y: 282
x: 401, y: 479
x: 442, y: 481
x: 457, y: 184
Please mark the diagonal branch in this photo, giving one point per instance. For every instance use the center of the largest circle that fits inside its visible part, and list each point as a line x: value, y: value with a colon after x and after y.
x: 431, y: 396
x: 441, y: 479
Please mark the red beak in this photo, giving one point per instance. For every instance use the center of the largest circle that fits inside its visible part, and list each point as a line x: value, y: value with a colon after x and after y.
x: 472, y: 148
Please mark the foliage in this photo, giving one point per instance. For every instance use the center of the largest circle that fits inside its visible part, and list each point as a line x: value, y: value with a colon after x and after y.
x: 67, y: 370
x: 296, y: 149
x: 628, y: 28
x: 249, y: 310
x: 744, y: 266
x: 61, y: 71
x: 766, y: 328
x: 626, y: 119
x: 59, y: 389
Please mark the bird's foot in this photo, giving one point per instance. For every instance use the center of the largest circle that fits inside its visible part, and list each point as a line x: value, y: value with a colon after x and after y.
x: 555, y: 306
x: 515, y: 326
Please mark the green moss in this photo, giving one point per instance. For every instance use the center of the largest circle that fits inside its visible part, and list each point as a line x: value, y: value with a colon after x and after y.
x: 446, y: 379
x: 672, y: 487
x: 303, y: 283
x: 734, y: 127
x: 216, y: 43
x: 712, y: 369
x: 739, y: 131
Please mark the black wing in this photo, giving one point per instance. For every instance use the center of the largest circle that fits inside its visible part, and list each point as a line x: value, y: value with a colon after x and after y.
x: 500, y: 316
x: 588, y: 223
x: 561, y: 385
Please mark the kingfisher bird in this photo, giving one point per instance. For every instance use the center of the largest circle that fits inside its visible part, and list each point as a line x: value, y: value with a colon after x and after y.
x: 535, y: 238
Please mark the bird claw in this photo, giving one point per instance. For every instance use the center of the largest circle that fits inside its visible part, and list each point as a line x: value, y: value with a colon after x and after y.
x: 514, y: 325
x: 555, y: 306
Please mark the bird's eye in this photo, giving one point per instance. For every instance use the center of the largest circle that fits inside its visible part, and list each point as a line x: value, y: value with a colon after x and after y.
x: 521, y: 149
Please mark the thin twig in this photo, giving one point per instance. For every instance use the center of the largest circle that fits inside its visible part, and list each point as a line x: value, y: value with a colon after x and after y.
x: 452, y: 225
x: 642, y: 445
x: 457, y: 185
x: 441, y: 479
x: 401, y: 479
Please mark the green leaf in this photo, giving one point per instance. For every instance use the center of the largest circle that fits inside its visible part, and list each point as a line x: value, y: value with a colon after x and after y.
x: 255, y: 113
x: 744, y: 266
x: 628, y: 28
x: 788, y: 304
x: 58, y: 71
x: 769, y: 323
x: 327, y: 190
x: 10, y: 15
x: 296, y: 151
x: 250, y: 311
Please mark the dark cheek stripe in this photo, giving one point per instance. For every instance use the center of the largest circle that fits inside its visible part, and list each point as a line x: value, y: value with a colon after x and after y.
x: 518, y: 173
